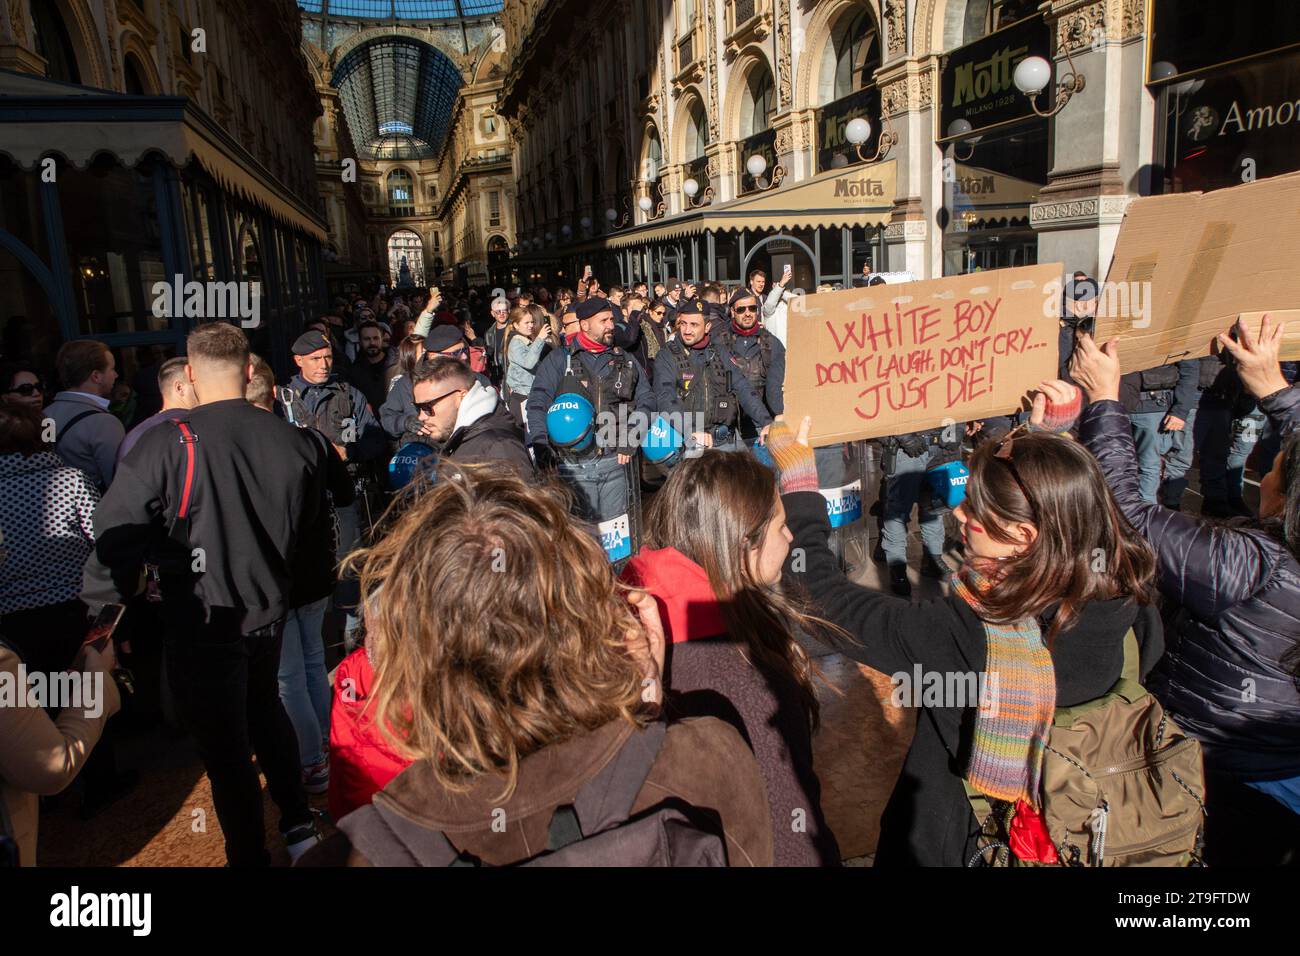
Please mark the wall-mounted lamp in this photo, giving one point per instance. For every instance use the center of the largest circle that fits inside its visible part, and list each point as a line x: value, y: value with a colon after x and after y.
x: 756, y: 165
x: 858, y: 130
x: 614, y: 219
x: 960, y: 127
x: 1032, y: 75
x: 690, y: 188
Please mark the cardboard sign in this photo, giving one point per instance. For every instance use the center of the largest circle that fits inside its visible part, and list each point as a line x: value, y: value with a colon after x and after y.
x: 1186, y: 265
x: 891, y: 359
x: 1290, y: 331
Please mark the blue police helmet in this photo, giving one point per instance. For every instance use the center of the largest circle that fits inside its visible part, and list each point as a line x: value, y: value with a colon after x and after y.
x: 948, y: 483
x: 570, y: 422
x: 411, y: 459
x: 662, y: 442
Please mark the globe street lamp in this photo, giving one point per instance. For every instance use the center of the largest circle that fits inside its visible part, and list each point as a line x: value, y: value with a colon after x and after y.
x: 690, y: 188
x: 961, y: 127
x: 1032, y: 75
x: 756, y: 165
x: 858, y: 130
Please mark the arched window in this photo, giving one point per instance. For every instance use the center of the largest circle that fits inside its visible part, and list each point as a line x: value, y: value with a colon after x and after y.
x: 697, y: 133
x: 759, y: 104
x: 852, y: 57
x: 132, y: 80
x: 401, y: 193
x: 654, y: 157
x: 406, y: 259
x: 685, y: 16
x: 54, y: 43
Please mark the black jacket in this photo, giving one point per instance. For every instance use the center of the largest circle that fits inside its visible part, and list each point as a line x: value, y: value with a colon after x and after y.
x: 748, y: 349
x: 929, y: 821
x: 258, y: 486
x: 666, y: 376
x: 589, y: 365
x: 1237, y: 589
x: 493, y: 438
x: 371, y: 379
x: 330, y: 408
x: 314, y: 566
x: 1179, y: 399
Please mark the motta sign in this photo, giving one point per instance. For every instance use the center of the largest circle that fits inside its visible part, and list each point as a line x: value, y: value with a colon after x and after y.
x: 976, y: 80
x: 859, y: 187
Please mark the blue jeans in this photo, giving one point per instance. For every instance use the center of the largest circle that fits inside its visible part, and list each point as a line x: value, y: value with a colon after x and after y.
x: 304, y: 686
x: 1225, y: 443
x: 349, y: 530
x: 907, y: 487
x: 1152, y: 447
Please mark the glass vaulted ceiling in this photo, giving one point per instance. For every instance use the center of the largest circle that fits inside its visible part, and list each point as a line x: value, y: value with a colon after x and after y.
x: 397, y: 96
x: 402, y: 9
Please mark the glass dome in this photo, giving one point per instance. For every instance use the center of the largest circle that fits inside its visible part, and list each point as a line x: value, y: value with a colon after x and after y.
x: 402, y: 9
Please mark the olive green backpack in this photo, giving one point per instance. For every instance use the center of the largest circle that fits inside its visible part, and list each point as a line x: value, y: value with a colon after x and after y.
x: 1122, y: 785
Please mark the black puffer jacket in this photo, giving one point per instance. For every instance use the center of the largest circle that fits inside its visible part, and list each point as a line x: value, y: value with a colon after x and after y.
x: 1238, y: 591
x: 929, y: 821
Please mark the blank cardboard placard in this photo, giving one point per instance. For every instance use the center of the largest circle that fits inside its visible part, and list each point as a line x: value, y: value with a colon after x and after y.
x: 890, y: 359
x: 1186, y: 265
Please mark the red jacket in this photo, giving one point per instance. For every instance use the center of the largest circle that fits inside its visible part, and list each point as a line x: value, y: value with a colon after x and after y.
x: 362, y: 760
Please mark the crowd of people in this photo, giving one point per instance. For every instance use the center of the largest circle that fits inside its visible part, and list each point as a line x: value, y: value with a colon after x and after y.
x: 576, y: 558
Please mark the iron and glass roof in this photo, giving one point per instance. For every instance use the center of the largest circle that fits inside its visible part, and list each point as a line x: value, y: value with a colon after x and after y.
x: 402, y: 9
x: 398, y: 96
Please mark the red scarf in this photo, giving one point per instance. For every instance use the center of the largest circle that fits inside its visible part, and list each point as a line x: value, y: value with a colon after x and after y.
x: 752, y: 330
x: 702, y: 343
x: 590, y: 344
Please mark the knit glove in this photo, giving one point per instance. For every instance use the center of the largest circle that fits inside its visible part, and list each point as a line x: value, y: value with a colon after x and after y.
x: 795, y: 463
x: 1058, y: 416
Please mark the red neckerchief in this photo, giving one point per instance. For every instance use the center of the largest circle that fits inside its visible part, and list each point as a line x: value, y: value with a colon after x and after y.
x: 590, y: 344
x: 688, y: 608
x: 702, y: 343
x: 752, y: 330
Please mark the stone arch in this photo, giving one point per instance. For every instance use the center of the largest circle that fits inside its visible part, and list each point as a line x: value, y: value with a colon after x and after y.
x: 643, y: 149
x: 749, y: 254
x: 133, y: 46
x: 435, y: 40
x: 816, y: 36
x: 747, y: 59
x: 676, y: 151
x: 940, y: 25
x: 84, y: 33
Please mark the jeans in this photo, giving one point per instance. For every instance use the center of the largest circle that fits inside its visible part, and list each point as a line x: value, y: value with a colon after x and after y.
x: 907, y: 487
x: 346, y: 592
x: 227, y: 695
x: 1225, y: 444
x: 304, y: 686
x: 1152, y: 446
x: 600, y: 486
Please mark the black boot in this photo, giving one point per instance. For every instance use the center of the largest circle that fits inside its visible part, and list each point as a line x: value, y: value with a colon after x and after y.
x: 934, y: 566
x: 898, y: 580
x: 1171, y: 493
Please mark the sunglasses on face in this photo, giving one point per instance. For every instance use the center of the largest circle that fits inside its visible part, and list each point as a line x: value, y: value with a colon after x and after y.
x: 745, y: 308
x: 426, y: 408
x: 27, y: 389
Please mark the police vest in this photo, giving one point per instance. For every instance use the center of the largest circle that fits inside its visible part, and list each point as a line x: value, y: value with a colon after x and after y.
x: 709, y: 394
x: 615, y: 387
x: 331, y: 418
x: 754, y: 367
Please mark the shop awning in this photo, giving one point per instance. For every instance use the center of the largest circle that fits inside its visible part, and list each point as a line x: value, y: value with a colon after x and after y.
x: 860, y: 196
x: 984, y: 196
x: 40, y: 118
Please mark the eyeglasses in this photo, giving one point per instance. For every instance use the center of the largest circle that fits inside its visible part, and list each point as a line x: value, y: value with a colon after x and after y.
x: 1003, y: 454
x: 27, y: 389
x: 745, y: 308
x: 426, y: 408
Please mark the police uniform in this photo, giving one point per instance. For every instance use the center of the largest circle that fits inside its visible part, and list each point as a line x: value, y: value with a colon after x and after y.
x: 761, y: 359
x: 904, y: 461
x: 706, y: 390
x: 613, y: 384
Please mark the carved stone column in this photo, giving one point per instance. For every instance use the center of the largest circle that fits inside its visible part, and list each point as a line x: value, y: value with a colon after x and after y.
x: 1103, y: 137
x: 18, y: 40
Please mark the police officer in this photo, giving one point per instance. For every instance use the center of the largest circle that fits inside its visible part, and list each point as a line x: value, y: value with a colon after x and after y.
x: 758, y: 352
x: 612, y: 384
x: 904, y: 461
x: 318, y: 398
x: 1161, y: 403
x: 703, y: 386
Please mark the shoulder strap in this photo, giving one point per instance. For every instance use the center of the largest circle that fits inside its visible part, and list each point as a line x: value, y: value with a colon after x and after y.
x: 63, y: 432
x: 606, y: 799
x: 182, y: 522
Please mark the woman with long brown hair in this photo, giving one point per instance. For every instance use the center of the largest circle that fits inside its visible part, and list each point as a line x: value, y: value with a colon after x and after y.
x: 513, y: 670
x: 1053, y: 580
x: 715, y: 543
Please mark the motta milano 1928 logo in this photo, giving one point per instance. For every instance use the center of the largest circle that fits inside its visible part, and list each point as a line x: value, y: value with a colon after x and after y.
x: 857, y: 187
x: 976, y: 81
